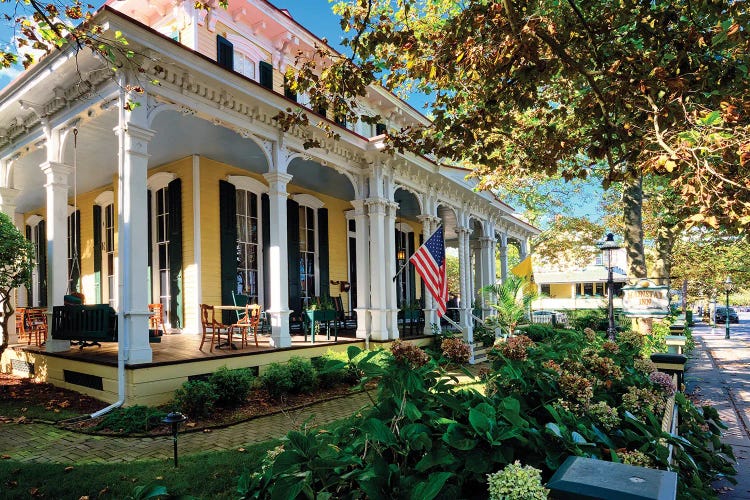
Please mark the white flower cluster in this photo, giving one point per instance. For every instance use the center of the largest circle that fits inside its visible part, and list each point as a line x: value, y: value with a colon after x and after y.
x: 516, y: 482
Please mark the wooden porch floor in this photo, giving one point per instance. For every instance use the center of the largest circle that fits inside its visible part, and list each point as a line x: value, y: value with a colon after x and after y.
x: 183, y: 348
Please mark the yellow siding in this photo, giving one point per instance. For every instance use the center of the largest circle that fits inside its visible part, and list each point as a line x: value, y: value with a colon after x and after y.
x: 560, y: 291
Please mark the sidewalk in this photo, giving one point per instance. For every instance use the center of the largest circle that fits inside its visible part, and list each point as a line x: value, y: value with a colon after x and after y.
x: 718, y: 374
x: 47, y: 443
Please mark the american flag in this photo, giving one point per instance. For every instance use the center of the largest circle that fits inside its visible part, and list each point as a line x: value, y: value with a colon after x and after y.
x: 429, y: 262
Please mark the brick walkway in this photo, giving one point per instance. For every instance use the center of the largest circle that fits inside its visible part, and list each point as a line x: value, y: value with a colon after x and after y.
x: 47, y: 443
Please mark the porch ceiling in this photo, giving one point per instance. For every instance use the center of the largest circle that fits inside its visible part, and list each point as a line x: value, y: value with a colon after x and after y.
x: 311, y: 175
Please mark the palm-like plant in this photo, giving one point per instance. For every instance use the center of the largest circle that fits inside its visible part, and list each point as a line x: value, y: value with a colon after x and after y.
x: 510, y: 300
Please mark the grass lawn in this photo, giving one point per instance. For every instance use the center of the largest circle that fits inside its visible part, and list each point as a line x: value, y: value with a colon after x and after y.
x: 206, y: 476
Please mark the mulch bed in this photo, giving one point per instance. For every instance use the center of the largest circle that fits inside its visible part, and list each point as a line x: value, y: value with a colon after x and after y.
x: 54, y: 399
x: 45, y: 395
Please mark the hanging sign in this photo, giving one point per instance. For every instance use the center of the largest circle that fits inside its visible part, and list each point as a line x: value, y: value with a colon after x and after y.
x: 645, y: 299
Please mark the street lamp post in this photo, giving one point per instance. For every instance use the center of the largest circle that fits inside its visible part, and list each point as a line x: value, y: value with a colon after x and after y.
x: 609, y: 245
x: 727, y: 289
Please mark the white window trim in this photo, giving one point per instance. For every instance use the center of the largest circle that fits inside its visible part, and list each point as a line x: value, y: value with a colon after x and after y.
x: 105, y: 198
x: 311, y: 201
x: 33, y: 221
x: 160, y: 180
x: 155, y: 183
x: 247, y: 184
x: 251, y: 185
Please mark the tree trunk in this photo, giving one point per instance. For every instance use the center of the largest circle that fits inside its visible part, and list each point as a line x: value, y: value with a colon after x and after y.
x: 664, y: 244
x: 632, y: 197
x: 7, y: 307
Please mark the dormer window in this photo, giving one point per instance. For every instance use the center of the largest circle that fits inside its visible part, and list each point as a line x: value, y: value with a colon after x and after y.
x: 224, y: 52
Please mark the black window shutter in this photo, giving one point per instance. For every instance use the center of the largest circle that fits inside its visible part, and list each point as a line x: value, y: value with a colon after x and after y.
x: 265, y: 220
x: 323, y: 254
x: 412, y: 277
x: 29, y: 289
x: 228, y: 245
x: 266, y: 74
x: 98, y: 253
x: 379, y: 128
x: 288, y: 92
x: 292, y: 218
x: 224, y: 52
x: 75, y: 274
x: 174, y: 228
x: 150, y: 251
x: 43, y: 263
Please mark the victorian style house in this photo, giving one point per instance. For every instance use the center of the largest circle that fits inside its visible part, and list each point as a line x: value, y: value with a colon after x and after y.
x: 189, y: 192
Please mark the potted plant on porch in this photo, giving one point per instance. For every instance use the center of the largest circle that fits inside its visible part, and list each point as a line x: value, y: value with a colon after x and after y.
x: 321, y: 310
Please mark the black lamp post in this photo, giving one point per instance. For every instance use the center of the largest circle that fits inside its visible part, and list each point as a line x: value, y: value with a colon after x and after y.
x: 609, y: 245
x: 727, y: 289
x: 174, y: 419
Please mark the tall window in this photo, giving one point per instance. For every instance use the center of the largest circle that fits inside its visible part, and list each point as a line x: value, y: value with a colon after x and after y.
x: 244, y: 65
x: 161, y: 242
x: 307, y: 253
x: 248, y: 248
x: 108, y: 252
x: 74, y: 245
x: 403, y: 286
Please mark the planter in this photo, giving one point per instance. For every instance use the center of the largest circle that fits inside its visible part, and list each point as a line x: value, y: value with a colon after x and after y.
x: 321, y: 316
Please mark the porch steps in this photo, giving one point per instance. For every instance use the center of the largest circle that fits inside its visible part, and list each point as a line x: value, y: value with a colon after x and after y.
x: 480, y: 352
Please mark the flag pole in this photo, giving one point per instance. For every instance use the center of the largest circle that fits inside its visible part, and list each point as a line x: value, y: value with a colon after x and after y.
x: 412, y: 255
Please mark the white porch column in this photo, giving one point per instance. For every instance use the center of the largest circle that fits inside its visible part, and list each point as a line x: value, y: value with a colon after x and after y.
x: 430, y: 311
x: 363, y: 268
x: 378, y: 269
x: 57, y: 241
x: 8, y: 198
x: 390, y: 269
x: 503, y: 257
x: 464, y: 269
x: 477, y: 276
x: 132, y: 261
x: 523, y: 248
x: 487, y: 256
x: 278, y: 259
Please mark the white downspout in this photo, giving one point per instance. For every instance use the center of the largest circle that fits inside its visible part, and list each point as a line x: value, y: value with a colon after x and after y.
x: 122, y: 339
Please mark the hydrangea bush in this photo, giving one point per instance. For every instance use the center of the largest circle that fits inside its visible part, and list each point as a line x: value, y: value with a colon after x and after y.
x: 517, y: 482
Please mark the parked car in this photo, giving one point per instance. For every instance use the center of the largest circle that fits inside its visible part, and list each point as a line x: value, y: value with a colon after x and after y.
x: 720, y: 316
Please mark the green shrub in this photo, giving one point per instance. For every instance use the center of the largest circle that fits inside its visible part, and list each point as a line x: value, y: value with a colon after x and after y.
x: 596, y: 319
x: 516, y: 482
x: 334, y: 368
x: 132, y: 419
x: 296, y: 376
x: 231, y: 386
x: 537, y: 332
x: 485, y: 333
x: 196, y: 398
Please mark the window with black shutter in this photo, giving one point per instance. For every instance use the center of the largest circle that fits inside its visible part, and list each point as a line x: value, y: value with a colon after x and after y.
x: 379, y: 128
x: 266, y: 74
x: 288, y: 92
x: 340, y: 120
x: 224, y: 52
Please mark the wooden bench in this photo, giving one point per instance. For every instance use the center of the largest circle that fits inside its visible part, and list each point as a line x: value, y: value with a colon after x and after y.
x: 86, y: 324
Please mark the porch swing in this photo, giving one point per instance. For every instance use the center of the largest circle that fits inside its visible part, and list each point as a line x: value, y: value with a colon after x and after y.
x: 74, y: 295
x: 83, y: 325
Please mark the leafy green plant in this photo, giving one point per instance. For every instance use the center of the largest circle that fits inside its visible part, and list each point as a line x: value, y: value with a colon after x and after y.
x: 334, y: 368
x: 196, y: 398
x: 511, y: 301
x: 517, y: 482
x: 596, y: 319
x: 231, y: 386
x: 16, y: 264
x: 295, y: 376
x: 132, y: 419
